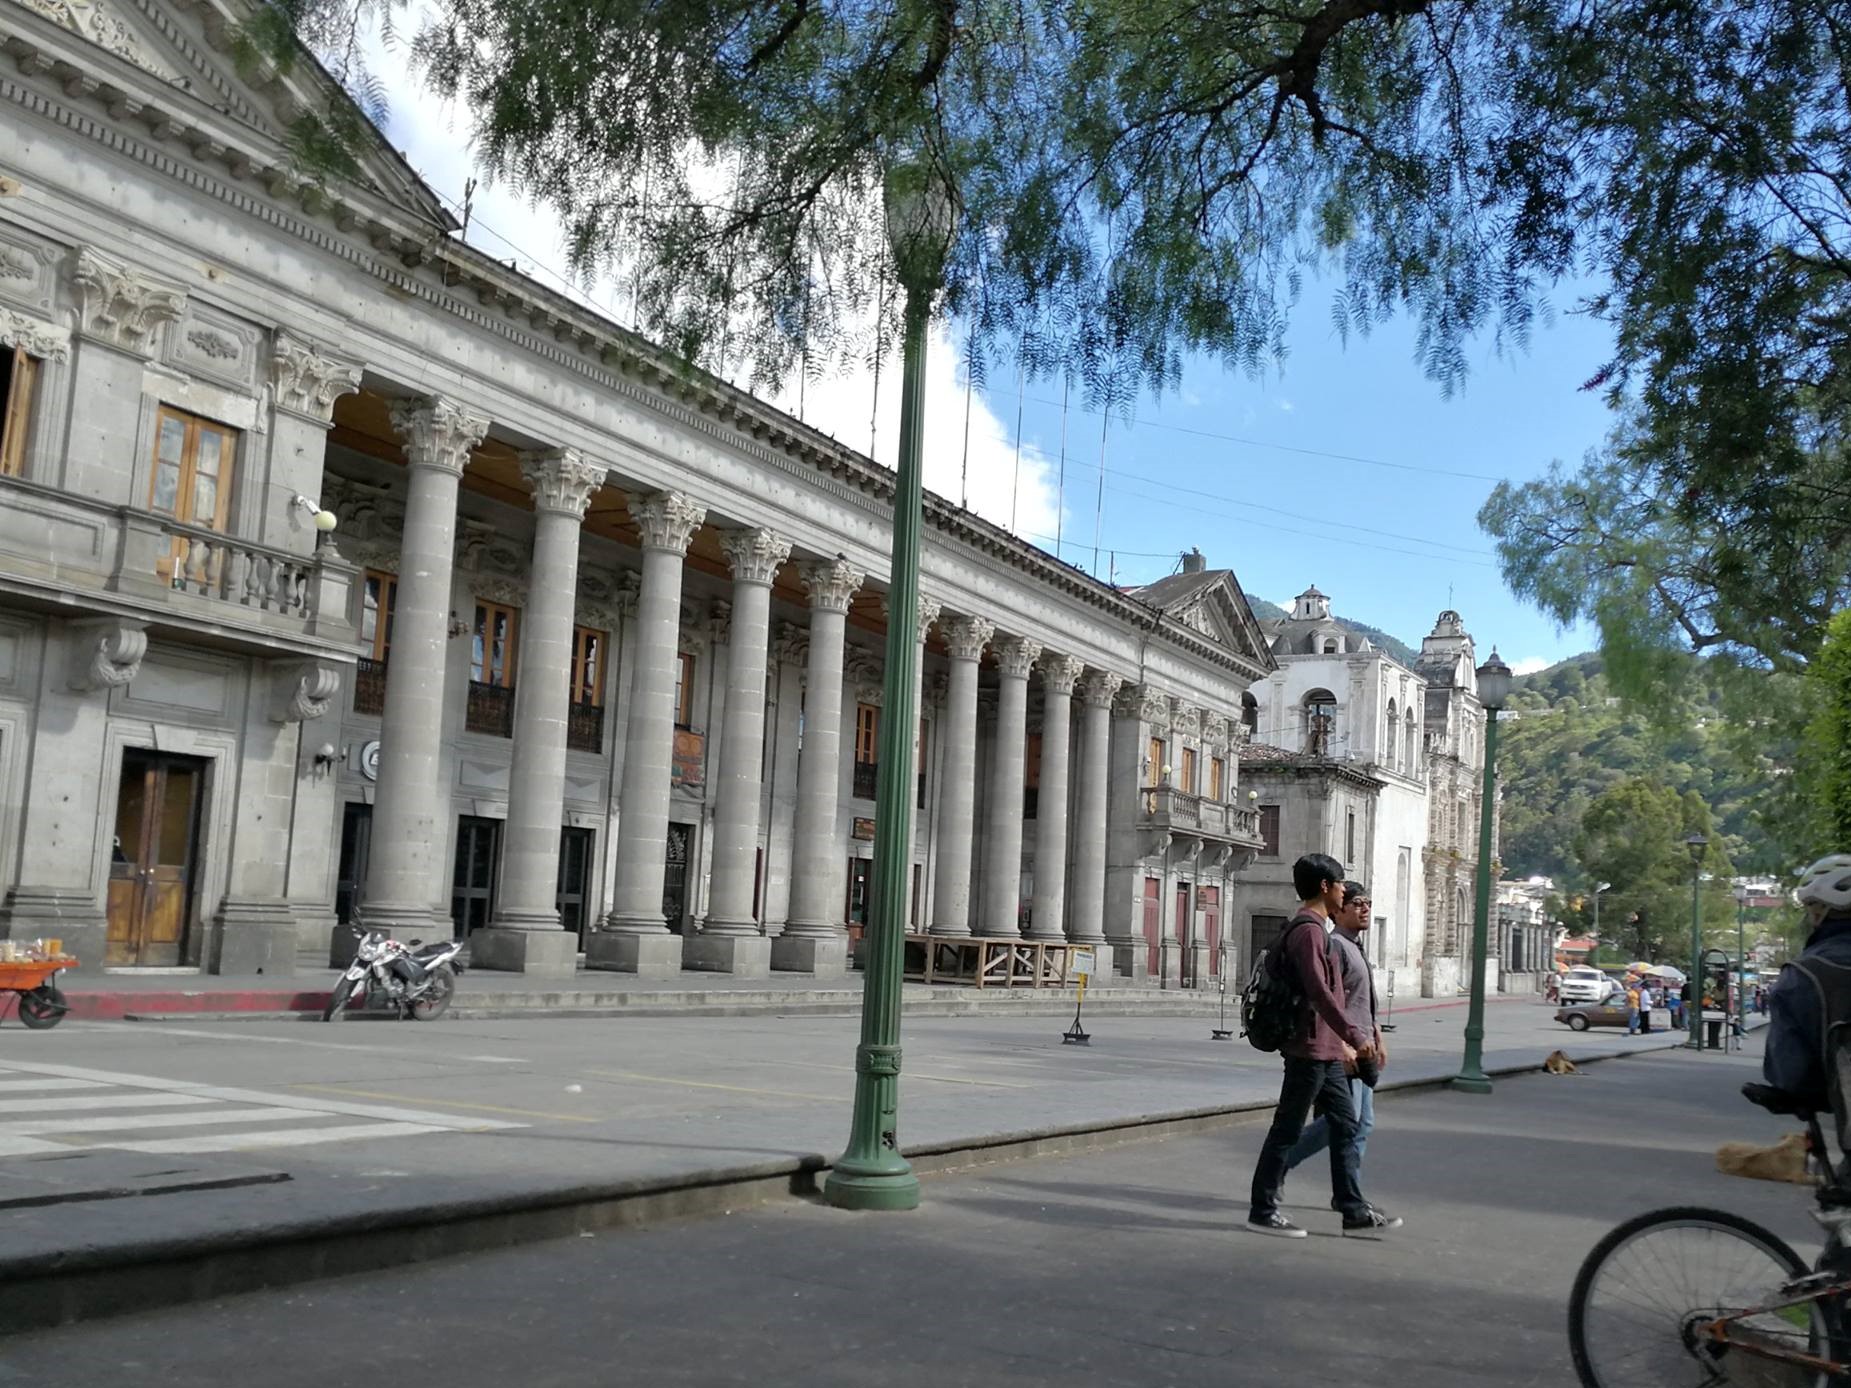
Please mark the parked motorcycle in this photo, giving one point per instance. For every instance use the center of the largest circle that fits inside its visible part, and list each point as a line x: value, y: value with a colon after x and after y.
x: 418, y: 980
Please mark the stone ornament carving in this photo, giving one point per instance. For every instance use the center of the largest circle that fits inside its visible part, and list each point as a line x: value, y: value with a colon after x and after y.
x: 437, y: 433
x: 1060, y: 673
x: 667, y: 520
x: 1185, y: 718
x: 720, y: 622
x: 754, y: 554
x: 1099, y: 687
x: 629, y: 589
x: 1016, y: 656
x: 103, y: 28
x: 16, y: 265
x: 793, y: 645
x: 965, y: 637
x: 33, y: 336
x: 490, y: 550
x: 301, y: 690
x: 929, y: 609
x: 214, y: 345
x: 1143, y: 703
x: 105, y: 654
x: 936, y: 688
x: 831, y: 583
x: 120, y: 306
x: 509, y: 592
x: 863, y: 670
x: 308, y: 382
x: 562, y: 480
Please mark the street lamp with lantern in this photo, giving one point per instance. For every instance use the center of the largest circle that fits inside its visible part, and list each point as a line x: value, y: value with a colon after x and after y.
x: 922, y: 210
x: 1696, y: 843
x: 1493, y: 689
x: 1598, y: 889
x: 1741, y: 961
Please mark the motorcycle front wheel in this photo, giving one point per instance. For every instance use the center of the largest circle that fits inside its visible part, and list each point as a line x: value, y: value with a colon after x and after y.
x: 436, y: 999
x: 337, y: 1001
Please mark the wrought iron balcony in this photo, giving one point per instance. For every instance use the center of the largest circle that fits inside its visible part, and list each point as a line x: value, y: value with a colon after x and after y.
x: 369, y: 687
x: 490, y: 710
x: 585, y: 727
x: 867, y: 776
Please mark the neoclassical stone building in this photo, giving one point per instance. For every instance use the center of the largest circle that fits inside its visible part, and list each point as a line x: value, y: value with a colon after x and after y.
x: 589, y: 663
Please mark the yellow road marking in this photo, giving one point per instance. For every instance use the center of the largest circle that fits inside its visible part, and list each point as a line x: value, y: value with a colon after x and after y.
x: 705, y: 1084
x: 446, y: 1103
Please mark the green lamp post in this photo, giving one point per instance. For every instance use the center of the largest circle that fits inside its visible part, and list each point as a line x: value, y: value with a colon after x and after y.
x: 1696, y: 843
x: 871, y: 1174
x: 1493, y: 689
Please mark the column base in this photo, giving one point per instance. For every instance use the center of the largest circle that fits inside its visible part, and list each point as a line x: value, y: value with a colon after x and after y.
x: 57, y: 913
x: 743, y: 956
x: 646, y: 956
x: 826, y: 956
x: 540, y: 953
x: 949, y: 932
x: 1128, y: 960
x: 1046, y: 937
x: 252, y: 937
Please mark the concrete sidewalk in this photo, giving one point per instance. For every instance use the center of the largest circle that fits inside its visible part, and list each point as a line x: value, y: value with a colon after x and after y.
x: 482, y: 1135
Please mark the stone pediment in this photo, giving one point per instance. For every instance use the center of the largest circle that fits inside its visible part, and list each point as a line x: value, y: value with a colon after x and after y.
x: 194, y: 47
x: 1220, y: 613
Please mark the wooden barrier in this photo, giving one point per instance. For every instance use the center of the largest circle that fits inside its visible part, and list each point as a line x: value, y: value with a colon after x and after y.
x: 987, y: 963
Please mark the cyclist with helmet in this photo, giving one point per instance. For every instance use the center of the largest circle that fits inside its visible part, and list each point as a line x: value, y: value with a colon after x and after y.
x: 1797, y: 1006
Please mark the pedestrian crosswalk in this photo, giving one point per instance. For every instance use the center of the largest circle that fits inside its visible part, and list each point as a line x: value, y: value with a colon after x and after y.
x: 62, y: 1108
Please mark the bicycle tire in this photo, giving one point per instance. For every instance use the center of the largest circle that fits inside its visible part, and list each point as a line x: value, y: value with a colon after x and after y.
x: 1783, y: 1263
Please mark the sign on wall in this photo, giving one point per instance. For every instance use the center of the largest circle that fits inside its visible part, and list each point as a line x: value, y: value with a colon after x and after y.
x: 685, y: 770
x: 863, y: 829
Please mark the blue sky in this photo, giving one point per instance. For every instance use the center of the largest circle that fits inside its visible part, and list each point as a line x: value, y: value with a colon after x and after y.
x: 1393, y: 540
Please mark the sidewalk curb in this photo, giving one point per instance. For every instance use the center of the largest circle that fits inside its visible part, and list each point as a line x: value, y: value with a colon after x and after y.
x: 93, y: 1283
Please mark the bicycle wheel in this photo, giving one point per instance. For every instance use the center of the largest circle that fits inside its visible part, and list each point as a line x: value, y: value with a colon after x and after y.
x: 1646, y: 1289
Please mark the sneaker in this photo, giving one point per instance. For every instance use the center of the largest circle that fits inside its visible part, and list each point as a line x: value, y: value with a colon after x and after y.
x: 1373, y: 1221
x: 1276, y: 1225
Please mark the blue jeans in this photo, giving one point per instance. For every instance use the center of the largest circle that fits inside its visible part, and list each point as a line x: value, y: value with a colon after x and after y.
x: 1308, y: 1084
x: 1632, y: 1021
x: 1316, y: 1136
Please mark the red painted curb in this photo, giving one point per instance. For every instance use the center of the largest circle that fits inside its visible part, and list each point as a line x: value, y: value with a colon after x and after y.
x: 103, y: 1005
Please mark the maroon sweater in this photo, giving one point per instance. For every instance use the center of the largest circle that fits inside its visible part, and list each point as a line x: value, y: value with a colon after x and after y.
x: 1323, y: 1028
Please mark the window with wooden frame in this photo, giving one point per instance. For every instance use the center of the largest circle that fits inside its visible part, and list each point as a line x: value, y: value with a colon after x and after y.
x: 867, y: 733
x: 684, y: 690
x: 491, y: 657
x: 1217, y: 773
x: 1269, y: 831
x: 18, y: 377
x: 588, y: 648
x: 193, y: 461
x: 1187, y: 782
x: 378, y: 603
x: 1156, y: 761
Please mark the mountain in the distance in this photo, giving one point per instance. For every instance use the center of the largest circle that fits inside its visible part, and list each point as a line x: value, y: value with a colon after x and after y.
x: 1399, y: 649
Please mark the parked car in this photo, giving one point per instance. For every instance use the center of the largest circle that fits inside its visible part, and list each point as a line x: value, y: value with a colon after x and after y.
x: 1582, y: 1015
x: 1585, y: 983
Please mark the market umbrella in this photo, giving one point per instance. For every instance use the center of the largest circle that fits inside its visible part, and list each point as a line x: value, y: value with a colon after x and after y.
x: 1665, y: 971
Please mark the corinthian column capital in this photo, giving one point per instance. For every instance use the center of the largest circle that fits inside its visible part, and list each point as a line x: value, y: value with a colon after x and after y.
x: 831, y: 583
x: 1099, y: 687
x: 667, y: 520
x: 1016, y: 656
x: 965, y: 637
x: 562, y: 480
x: 307, y: 380
x: 1059, y: 673
x: 437, y: 433
x: 929, y: 608
x: 754, y: 554
x: 120, y: 305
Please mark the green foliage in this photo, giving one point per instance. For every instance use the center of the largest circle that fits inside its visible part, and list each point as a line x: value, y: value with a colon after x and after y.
x: 1825, y: 761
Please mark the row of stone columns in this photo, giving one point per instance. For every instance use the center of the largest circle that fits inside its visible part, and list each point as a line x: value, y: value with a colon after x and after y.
x: 411, y: 804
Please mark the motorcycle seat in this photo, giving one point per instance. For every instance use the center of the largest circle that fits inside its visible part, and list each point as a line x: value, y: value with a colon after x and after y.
x: 427, y: 951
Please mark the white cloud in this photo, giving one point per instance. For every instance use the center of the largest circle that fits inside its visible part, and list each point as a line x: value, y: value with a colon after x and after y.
x: 1286, y: 406
x: 435, y: 137
x: 1530, y: 665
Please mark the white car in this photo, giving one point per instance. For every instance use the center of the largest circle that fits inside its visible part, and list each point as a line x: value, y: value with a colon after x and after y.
x: 1584, y: 983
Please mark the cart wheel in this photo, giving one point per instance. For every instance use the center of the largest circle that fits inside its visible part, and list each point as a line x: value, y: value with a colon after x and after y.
x: 43, y: 1007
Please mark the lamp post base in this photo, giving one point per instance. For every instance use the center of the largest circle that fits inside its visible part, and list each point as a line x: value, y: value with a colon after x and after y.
x: 875, y: 1186
x: 1470, y: 1084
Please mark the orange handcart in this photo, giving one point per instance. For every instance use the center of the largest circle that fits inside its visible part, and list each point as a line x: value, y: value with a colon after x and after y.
x: 41, y: 1004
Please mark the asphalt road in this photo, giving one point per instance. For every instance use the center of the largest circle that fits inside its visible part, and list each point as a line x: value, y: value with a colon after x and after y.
x: 1120, y: 1267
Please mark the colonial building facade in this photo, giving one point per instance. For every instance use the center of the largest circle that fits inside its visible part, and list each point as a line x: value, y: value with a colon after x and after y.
x: 589, y: 663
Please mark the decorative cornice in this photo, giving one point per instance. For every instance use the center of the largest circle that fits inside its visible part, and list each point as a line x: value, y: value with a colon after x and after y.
x: 104, y: 654
x: 831, y: 583
x: 307, y: 381
x: 501, y: 588
x: 754, y: 554
x: 1060, y: 673
x: 34, y: 336
x: 1098, y: 688
x: 301, y: 690
x: 102, y: 28
x: 562, y: 481
x: 965, y: 637
x: 667, y: 520
x: 437, y: 433
x: 121, y: 306
x: 1016, y: 656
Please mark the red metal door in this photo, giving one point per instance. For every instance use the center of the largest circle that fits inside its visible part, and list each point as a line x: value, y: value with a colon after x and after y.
x: 1209, y: 899
x: 1185, y: 937
x: 1153, y: 924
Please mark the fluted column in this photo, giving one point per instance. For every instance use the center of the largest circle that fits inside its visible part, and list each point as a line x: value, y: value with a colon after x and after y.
x: 1086, y: 922
x: 636, y: 938
x: 815, y: 940
x: 1001, y: 911
x: 1059, y: 674
x: 965, y: 638
x: 525, y: 935
x: 411, y: 807
x: 731, y: 940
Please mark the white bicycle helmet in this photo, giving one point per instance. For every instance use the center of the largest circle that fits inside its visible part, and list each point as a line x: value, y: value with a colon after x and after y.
x: 1827, y: 883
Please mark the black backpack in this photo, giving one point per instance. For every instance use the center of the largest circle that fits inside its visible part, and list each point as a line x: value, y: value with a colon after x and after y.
x: 1273, y: 1000
x: 1832, y: 983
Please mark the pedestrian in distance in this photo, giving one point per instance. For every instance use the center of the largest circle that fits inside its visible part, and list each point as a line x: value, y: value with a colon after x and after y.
x: 1319, y: 1056
x: 1632, y: 1005
x: 1359, y: 1004
x: 1648, y: 999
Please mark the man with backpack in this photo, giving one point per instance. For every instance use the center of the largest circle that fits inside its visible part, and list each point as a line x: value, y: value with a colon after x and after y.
x: 1319, y: 1050
x: 1813, y: 989
x: 1359, y: 1003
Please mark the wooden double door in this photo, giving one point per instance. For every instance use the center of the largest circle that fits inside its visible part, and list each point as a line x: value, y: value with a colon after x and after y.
x: 155, y: 857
